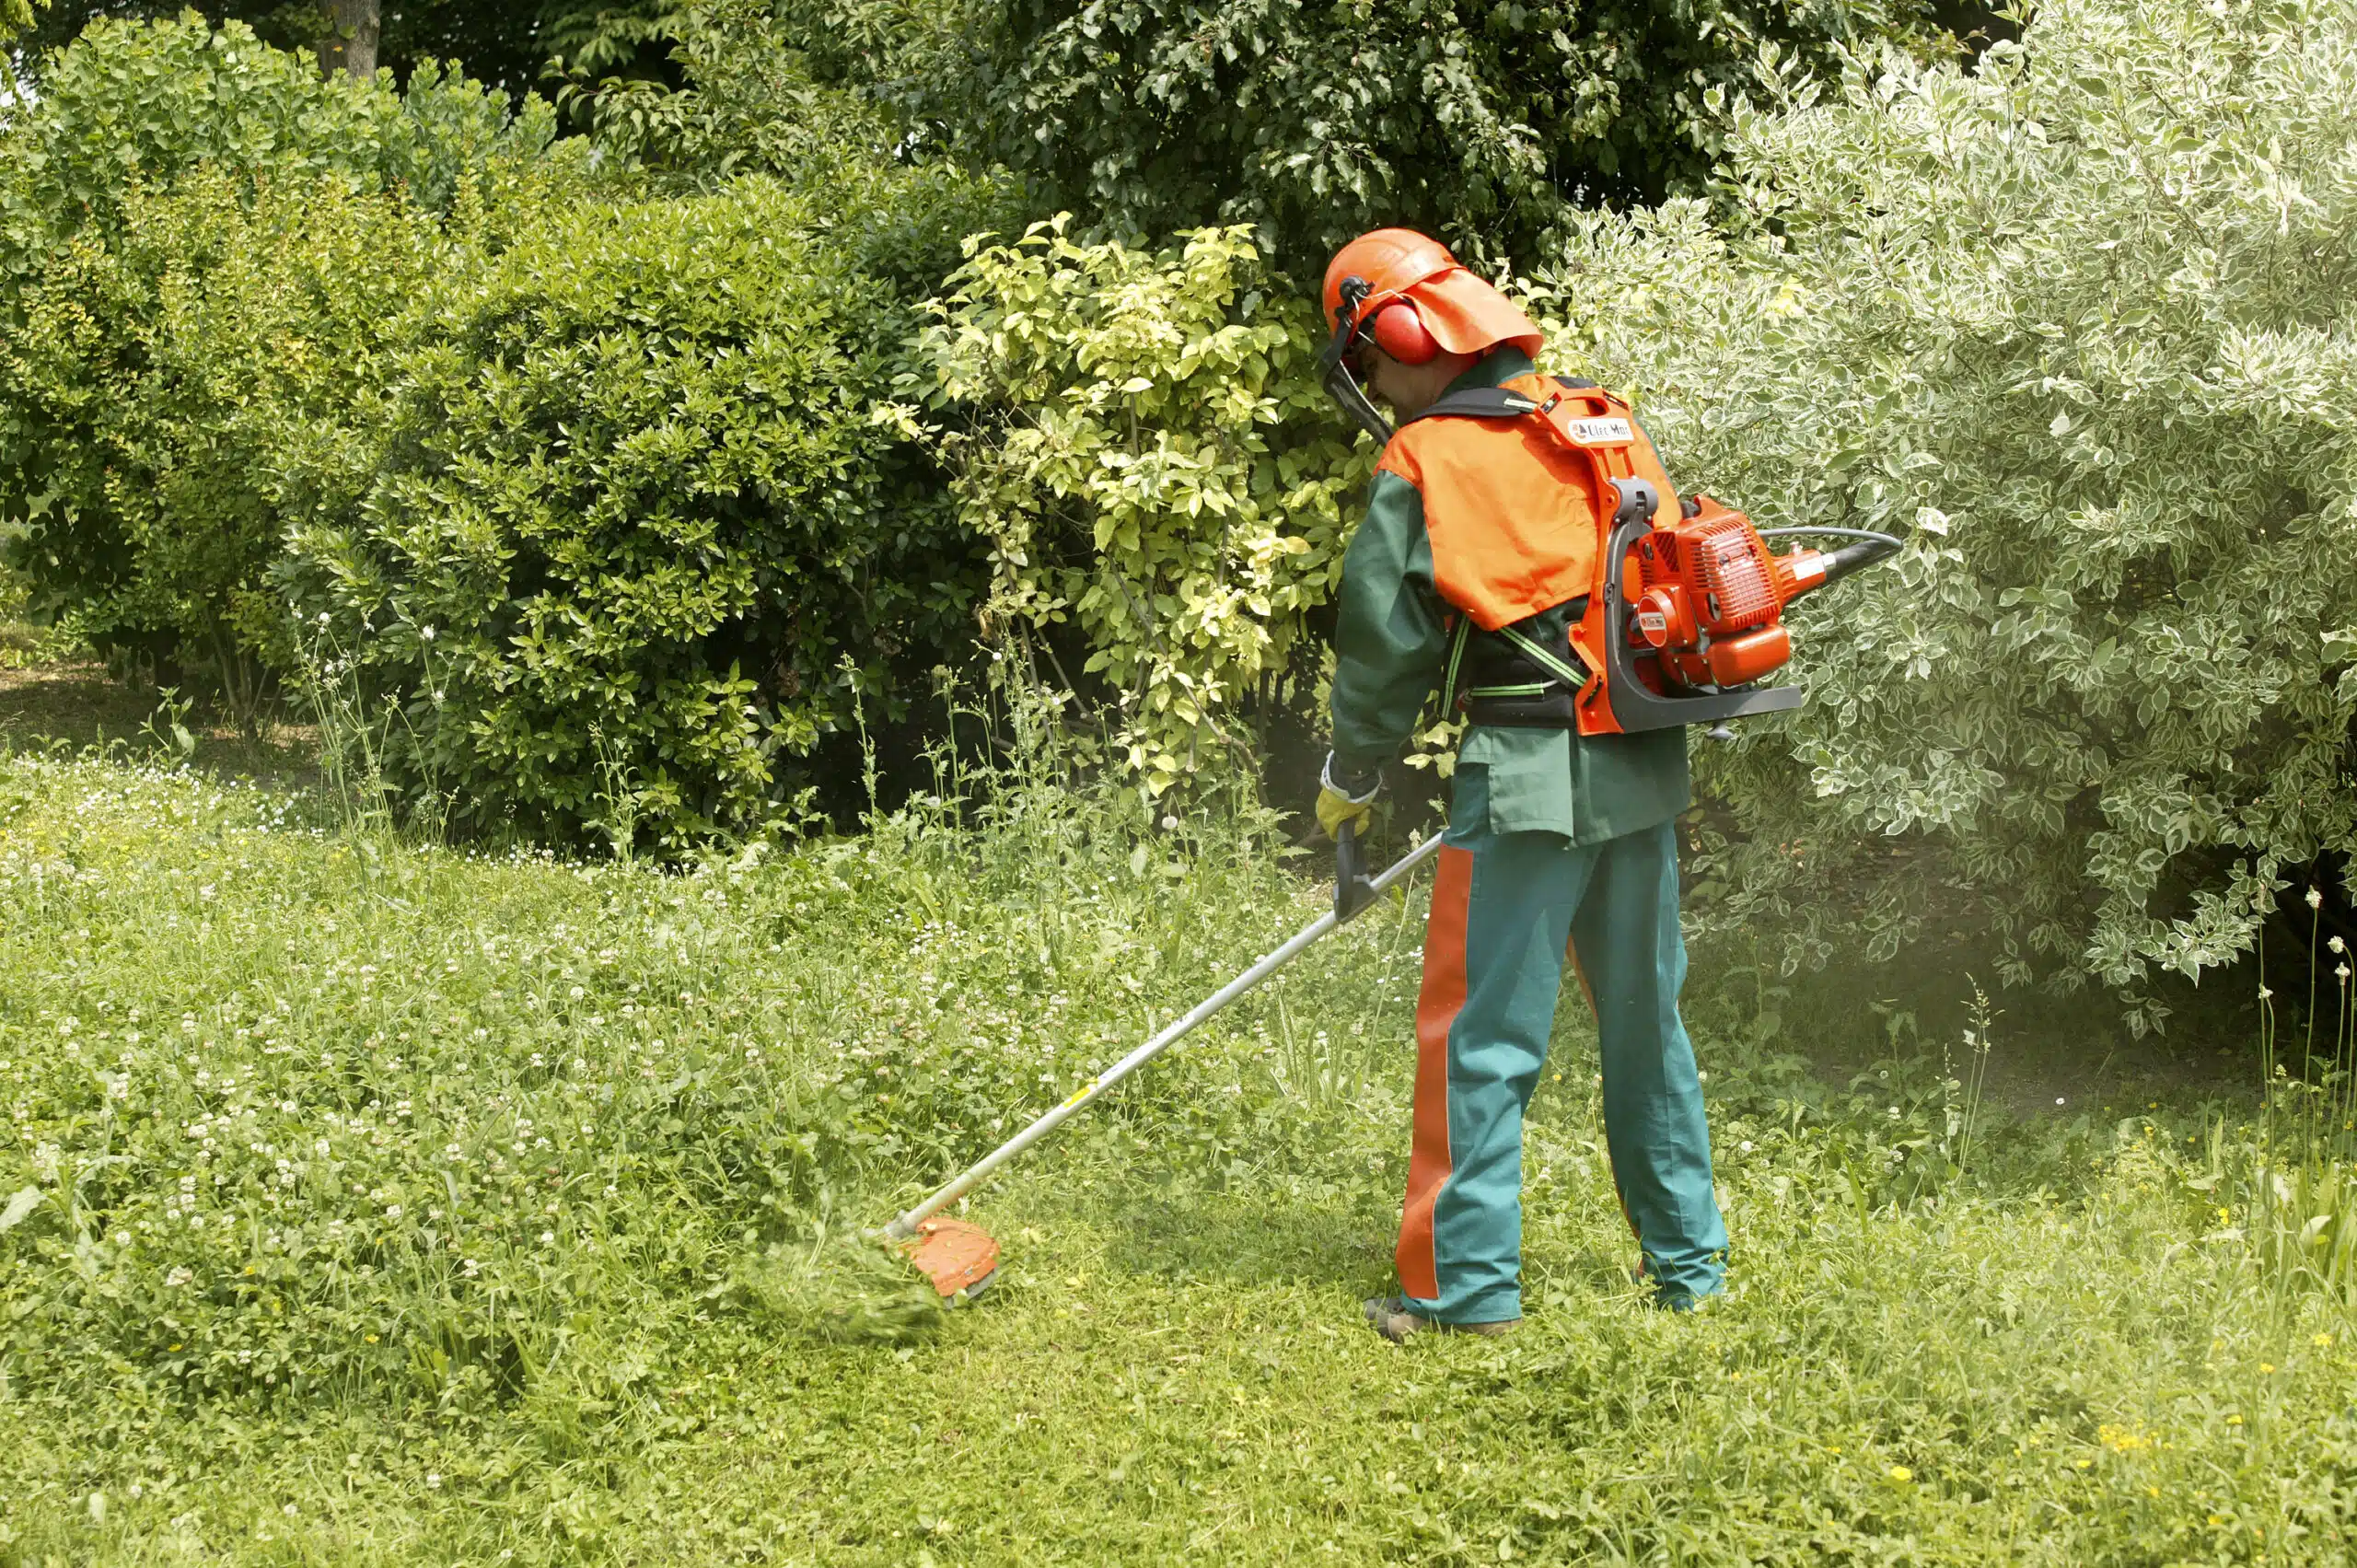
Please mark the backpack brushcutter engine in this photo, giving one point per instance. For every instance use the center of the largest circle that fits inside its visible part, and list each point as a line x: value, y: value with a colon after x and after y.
x: 1688, y: 641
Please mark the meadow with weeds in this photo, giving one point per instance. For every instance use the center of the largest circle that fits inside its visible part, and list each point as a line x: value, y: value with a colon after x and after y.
x: 367, y: 1200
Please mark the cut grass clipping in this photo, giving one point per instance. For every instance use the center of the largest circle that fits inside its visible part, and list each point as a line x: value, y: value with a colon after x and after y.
x: 844, y: 1288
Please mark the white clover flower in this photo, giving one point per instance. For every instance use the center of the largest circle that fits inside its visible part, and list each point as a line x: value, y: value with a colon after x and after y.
x: 392, y: 1211
x: 426, y: 633
x: 2336, y: 946
x: 179, y: 1276
x: 2315, y: 898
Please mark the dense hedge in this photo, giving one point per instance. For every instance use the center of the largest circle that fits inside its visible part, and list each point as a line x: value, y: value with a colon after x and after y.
x: 1489, y: 125
x: 2083, y: 322
x: 203, y: 244
x: 633, y: 524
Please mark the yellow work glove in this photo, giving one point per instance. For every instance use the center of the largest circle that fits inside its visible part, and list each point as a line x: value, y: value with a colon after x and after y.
x: 1337, y: 806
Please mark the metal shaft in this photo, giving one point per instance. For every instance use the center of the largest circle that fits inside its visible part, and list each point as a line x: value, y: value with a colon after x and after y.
x: 906, y: 1225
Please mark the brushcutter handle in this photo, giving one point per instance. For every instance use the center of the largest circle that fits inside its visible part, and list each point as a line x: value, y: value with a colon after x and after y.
x: 1353, y: 890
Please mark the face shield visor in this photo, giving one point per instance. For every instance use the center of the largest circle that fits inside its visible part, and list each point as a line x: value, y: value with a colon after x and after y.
x: 1337, y: 368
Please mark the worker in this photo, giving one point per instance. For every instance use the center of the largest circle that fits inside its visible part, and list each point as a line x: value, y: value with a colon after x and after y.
x: 1558, y: 845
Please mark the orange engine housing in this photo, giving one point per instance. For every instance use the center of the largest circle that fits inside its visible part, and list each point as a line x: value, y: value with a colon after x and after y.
x: 1709, y: 598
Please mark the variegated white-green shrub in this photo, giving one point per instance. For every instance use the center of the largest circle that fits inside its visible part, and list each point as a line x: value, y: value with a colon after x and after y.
x: 1150, y: 456
x: 2082, y: 320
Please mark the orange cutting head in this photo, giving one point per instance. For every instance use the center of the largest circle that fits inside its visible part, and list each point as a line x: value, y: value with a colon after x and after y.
x: 959, y: 1258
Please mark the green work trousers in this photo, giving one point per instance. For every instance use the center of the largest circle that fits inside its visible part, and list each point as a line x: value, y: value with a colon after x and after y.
x: 1508, y: 908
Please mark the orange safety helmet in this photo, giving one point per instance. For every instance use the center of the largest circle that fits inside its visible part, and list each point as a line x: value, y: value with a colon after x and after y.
x: 1406, y: 293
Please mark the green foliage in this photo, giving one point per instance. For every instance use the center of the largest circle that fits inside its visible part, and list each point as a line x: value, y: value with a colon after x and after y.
x: 1153, y: 462
x: 2082, y: 322
x: 202, y: 245
x: 630, y: 528
x: 509, y: 43
x: 1486, y: 125
x: 164, y: 376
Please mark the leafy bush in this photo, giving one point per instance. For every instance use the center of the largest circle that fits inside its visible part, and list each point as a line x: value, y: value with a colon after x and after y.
x: 2082, y: 322
x: 631, y: 526
x: 202, y: 244
x: 1485, y: 123
x: 171, y: 371
x: 1154, y: 462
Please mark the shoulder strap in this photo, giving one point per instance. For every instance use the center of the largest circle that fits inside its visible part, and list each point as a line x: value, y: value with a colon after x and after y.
x: 1494, y: 402
x: 1477, y: 402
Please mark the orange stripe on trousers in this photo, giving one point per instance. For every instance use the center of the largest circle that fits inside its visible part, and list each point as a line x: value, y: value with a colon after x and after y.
x: 1441, y: 999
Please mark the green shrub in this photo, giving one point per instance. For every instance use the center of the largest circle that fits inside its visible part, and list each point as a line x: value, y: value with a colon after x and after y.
x: 1153, y: 461
x: 631, y: 527
x: 2082, y: 322
x: 1486, y: 124
x: 170, y: 370
x: 202, y: 245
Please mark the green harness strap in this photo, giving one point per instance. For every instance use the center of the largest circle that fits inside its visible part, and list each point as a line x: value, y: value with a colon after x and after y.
x: 1539, y: 655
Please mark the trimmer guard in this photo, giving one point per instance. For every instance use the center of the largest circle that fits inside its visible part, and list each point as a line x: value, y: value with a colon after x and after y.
x: 959, y: 1258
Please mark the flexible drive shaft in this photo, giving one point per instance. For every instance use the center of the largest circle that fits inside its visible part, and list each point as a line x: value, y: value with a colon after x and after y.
x: 906, y: 1225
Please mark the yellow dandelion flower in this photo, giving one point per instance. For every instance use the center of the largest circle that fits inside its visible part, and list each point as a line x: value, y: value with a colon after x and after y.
x: 2321, y: 1340
x: 2217, y: 1519
x: 1900, y: 1474
x: 2234, y: 1420
x: 2151, y: 1491
x: 2267, y: 1367
x: 2081, y: 1464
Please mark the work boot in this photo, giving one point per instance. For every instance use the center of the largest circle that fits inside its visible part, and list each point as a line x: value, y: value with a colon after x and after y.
x: 1395, y: 1321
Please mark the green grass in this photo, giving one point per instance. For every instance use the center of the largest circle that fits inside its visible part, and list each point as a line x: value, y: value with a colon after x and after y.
x: 527, y: 1287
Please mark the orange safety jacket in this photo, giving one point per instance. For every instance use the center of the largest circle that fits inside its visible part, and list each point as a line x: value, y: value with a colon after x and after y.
x: 1511, y: 510
x: 1515, y: 510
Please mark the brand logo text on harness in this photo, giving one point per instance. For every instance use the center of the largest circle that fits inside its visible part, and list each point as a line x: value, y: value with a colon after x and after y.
x: 1599, y: 432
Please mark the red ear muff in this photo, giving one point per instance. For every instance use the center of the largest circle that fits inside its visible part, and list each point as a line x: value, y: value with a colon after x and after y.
x: 1398, y: 331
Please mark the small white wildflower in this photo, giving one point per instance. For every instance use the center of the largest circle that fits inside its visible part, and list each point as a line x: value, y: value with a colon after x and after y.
x: 432, y: 1481
x: 2315, y: 898
x: 1746, y: 1145
x: 548, y: 1239
x: 426, y: 633
x: 2058, y: 1100
x: 2336, y: 946
x: 392, y: 1211
x: 323, y: 618
x: 179, y: 1277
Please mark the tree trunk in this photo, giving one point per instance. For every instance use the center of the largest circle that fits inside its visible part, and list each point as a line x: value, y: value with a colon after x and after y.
x: 352, y: 45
